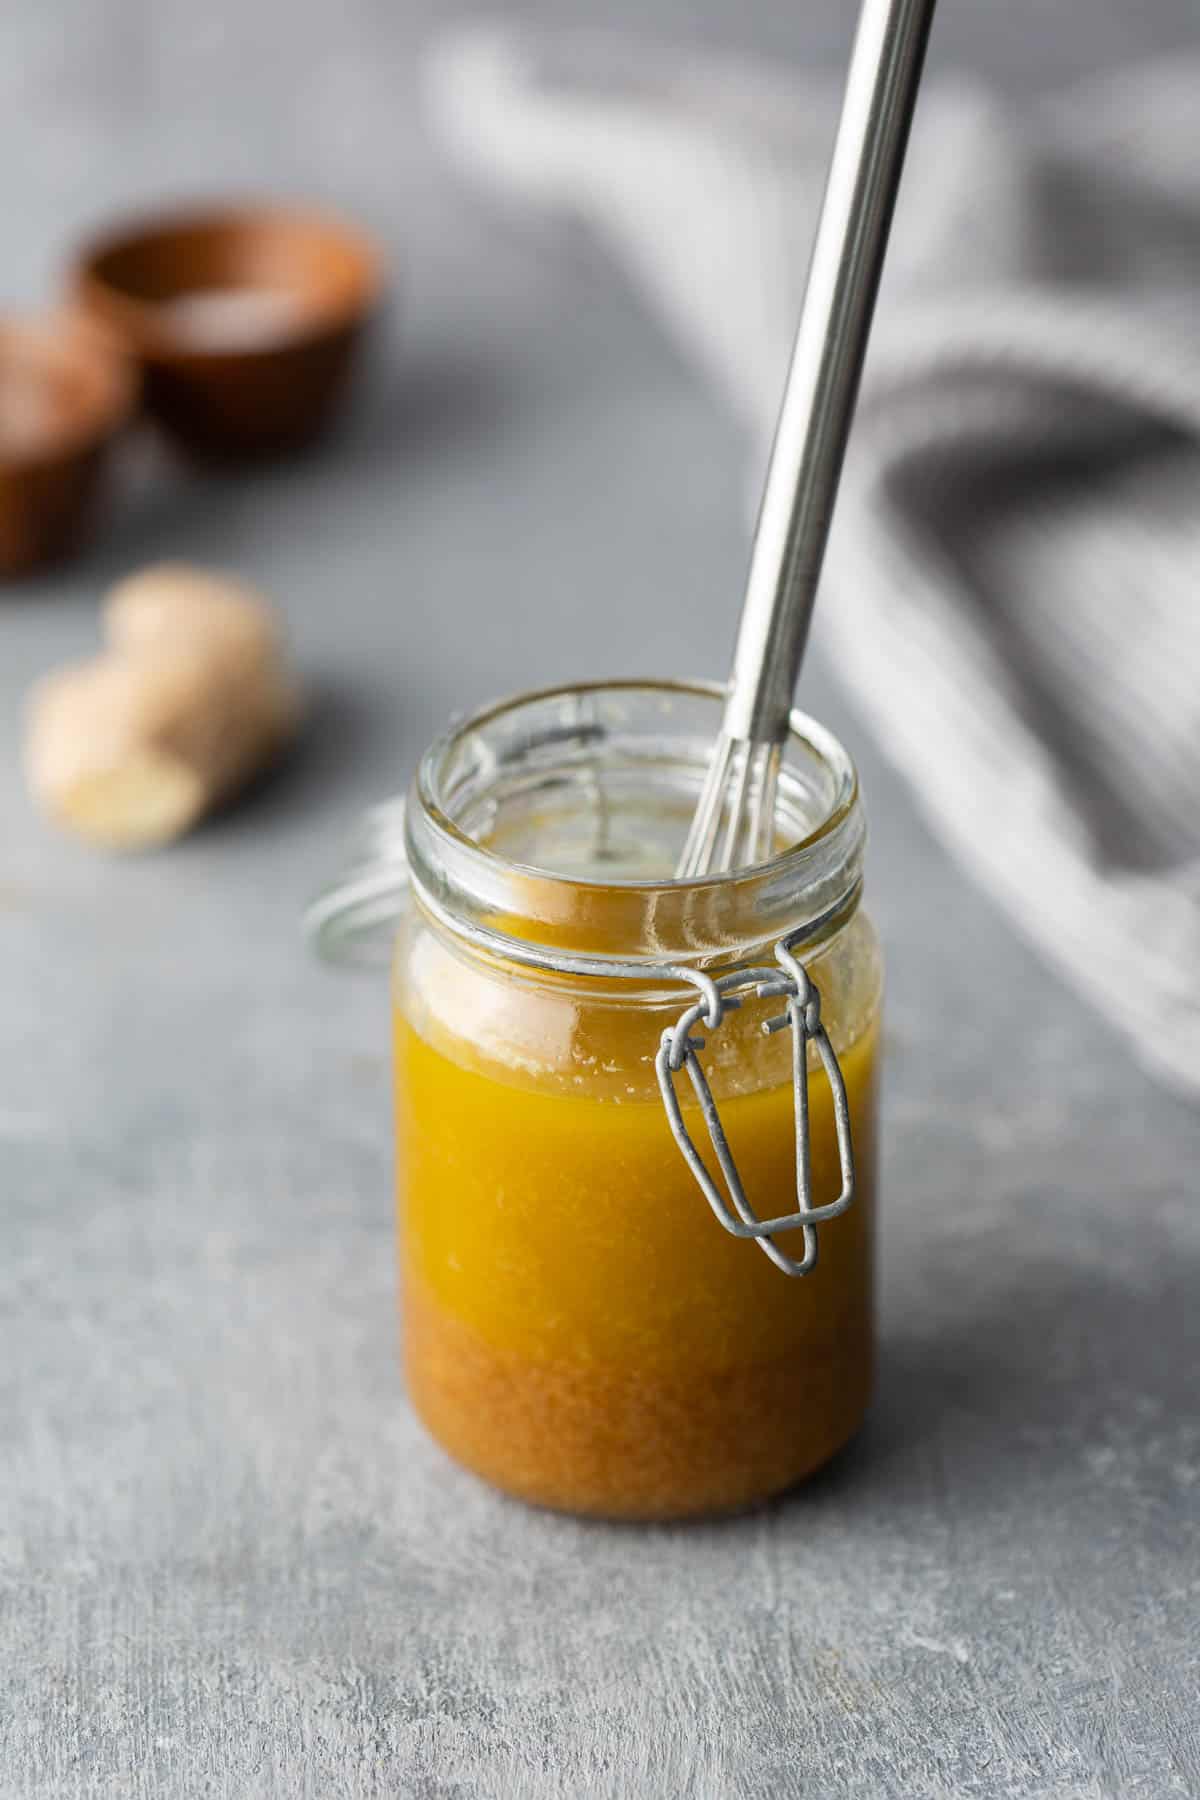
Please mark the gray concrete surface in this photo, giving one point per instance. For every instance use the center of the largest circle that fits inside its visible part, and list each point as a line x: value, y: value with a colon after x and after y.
x: 230, y: 1564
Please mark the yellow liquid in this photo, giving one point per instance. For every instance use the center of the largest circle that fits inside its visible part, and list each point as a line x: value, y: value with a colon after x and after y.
x: 579, y: 1328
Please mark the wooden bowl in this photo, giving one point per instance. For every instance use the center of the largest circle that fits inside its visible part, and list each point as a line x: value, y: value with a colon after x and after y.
x: 244, y: 320
x: 64, y: 395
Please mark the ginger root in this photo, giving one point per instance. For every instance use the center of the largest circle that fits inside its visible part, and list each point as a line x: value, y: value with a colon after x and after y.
x: 189, y: 700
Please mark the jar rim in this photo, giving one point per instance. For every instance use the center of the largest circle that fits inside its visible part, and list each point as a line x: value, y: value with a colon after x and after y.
x: 814, y: 879
x: 803, y: 729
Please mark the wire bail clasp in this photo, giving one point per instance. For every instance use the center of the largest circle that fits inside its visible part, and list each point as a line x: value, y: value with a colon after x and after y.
x: 802, y: 1014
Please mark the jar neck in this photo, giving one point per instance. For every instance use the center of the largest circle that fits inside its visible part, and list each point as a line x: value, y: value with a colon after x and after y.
x: 585, y: 749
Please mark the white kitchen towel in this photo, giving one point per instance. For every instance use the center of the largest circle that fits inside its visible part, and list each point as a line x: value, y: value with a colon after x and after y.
x: 1016, y: 553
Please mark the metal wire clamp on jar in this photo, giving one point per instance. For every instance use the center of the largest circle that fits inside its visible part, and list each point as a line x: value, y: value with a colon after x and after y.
x: 633, y: 1359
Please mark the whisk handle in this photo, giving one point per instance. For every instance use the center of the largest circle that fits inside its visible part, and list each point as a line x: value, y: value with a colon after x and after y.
x: 827, y: 359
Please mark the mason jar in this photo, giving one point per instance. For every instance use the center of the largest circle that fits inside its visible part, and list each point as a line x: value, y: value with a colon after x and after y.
x: 586, y: 1323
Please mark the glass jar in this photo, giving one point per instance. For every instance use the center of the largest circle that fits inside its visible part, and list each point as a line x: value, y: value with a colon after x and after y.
x: 579, y: 1328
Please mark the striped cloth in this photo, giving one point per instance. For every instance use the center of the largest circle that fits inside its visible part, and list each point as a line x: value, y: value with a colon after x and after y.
x: 1016, y: 556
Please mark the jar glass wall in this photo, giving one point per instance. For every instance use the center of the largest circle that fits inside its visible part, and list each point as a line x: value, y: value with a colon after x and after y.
x: 579, y: 1328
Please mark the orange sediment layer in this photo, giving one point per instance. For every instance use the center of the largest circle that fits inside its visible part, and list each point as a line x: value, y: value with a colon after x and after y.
x: 617, y: 1444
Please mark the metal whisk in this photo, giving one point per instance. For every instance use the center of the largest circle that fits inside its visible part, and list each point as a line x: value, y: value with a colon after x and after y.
x: 734, y: 821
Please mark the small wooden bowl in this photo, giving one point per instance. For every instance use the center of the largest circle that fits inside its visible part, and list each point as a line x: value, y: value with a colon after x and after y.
x: 64, y: 395
x: 244, y: 320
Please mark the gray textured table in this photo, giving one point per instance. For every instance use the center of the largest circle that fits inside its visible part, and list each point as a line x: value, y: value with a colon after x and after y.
x: 229, y: 1561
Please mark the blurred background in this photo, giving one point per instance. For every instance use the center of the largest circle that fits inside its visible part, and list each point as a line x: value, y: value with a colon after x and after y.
x: 514, y: 373
x: 530, y: 482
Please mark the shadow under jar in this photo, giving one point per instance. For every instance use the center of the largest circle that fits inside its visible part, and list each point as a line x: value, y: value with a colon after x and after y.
x: 579, y: 1328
